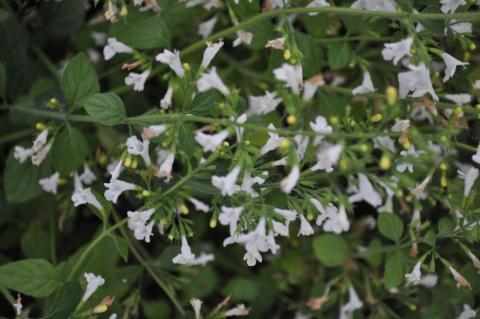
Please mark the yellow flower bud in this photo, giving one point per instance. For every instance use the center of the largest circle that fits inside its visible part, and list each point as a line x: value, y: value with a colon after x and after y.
x: 103, y: 159
x: 406, y: 143
x: 184, y: 209
x: 123, y: 11
x: 334, y: 120
x: 291, y: 119
x: 100, y: 309
x: 443, y: 138
x: 385, y: 162
x: 53, y: 102
x: 391, y: 95
x: 213, y: 223
x: 408, y: 198
x: 343, y: 164
x: 399, y: 194
x: 466, y: 56
x: 472, y: 46
x: 377, y: 118
x: 293, y: 61
x: 40, y: 126
x: 61, y: 181
x: 170, y: 237
x: 458, y: 110
x: 247, y: 142
x: 310, y: 216
x: 443, y: 181
x: 127, y: 162
x: 363, y: 148
x: 134, y: 164
x: 443, y: 166
x: 284, y: 144
x: 145, y: 193
x: 186, y: 66
x: 287, y: 54
x: 226, y: 144
x: 413, y: 50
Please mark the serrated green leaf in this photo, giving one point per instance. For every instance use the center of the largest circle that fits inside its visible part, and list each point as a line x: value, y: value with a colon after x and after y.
x: 332, y: 250
x: 390, y: 226
x: 106, y: 108
x: 79, y: 81
x: 69, y: 150
x: 204, y: 102
x: 33, y: 277
x: 339, y: 55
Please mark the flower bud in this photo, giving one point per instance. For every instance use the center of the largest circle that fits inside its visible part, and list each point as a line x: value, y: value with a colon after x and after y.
x: 127, y: 162
x: 40, y: 126
x: 291, y: 119
x: 213, y: 223
x: 385, y: 162
x: 287, y: 54
x: 377, y: 118
x: 184, y: 209
x: 391, y: 95
x: 100, y: 309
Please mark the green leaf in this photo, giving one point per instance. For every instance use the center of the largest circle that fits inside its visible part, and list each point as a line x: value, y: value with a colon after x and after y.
x: 332, y: 250
x: 339, y: 55
x: 66, y: 301
x: 79, y: 81
x: 142, y: 33
x: 373, y: 254
x: 430, y: 238
x: 69, y: 150
x: 121, y: 246
x: 312, y: 54
x: 395, y: 269
x: 60, y: 18
x: 33, y: 277
x: 204, y: 102
x: 390, y: 226
x: 3, y: 81
x: 106, y: 108
x: 35, y: 242
x: 186, y: 139
x: 4, y: 14
x: 434, y: 26
x: 21, y: 180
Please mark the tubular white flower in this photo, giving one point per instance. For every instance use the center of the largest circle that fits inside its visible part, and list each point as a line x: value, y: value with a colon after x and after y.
x: 93, y: 282
x: 311, y: 86
x: 249, y: 181
x: 83, y: 196
x: 49, y: 184
x: 288, y: 215
x: 239, y: 310
x: 21, y: 154
x: 210, y: 143
x: 199, y: 205
x: 327, y: 157
x: 354, y: 303
x: 115, y: 188
x: 243, y: 37
x: 229, y: 216
x: 467, y: 313
x: 366, y: 86
x: 197, y: 306
x: 40, y: 156
x: 317, y: 4
x: 137, y: 80
x: 416, y: 80
x: 396, y: 51
x: 273, y: 141
x: 321, y: 127
x: 415, y: 276
x: 277, y: 43
x: 292, y: 75
x: 166, y: 101
x: 172, y: 59
x: 211, y: 80
x: 365, y: 192
x: 210, y: 52
x: 135, y: 147
x: 205, y: 28
x: 113, y: 47
x: 226, y: 184
x: 374, y: 5
x: 288, y: 183
x: 40, y: 141
x: 401, y: 126
x: 470, y: 177
x: 450, y: 6
x: 185, y: 256
x: 459, y: 99
x: 152, y: 131
x: 451, y: 65
x: 263, y: 104
x: 419, y: 190
x: 87, y: 177
x: 305, y: 228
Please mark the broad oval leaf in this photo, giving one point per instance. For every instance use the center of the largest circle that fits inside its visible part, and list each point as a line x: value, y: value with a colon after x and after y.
x: 106, y: 108
x: 69, y: 150
x: 390, y: 226
x: 332, y: 250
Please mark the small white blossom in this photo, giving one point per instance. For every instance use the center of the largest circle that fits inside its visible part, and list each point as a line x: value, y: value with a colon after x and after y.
x: 185, y: 255
x: 226, y: 184
x: 273, y: 141
x: 152, y: 131
x: 305, y: 228
x: 205, y: 28
x: 18, y: 306
x: 467, y: 313
x: 40, y: 141
x: 288, y: 215
x: 166, y: 101
x: 292, y: 75
x: 208, y: 142
x: 327, y: 157
x: 21, y: 153
x: 354, y: 303
x: 83, y: 196
x: 321, y: 127
x: 384, y: 142
x: 289, y: 182
x: 333, y: 219
x: 263, y: 104
x: 365, y: 192
x: 115, y: 188
x: 470, y: 177
x: 211, y: 80
x: 374, y: 5
x: 135, y: 147
x: 137, y: 80
x: 311, y: 86
x: 199, y: 205
x: 277, y: 43
x: 401, y: 126
x: 229, y: 216
x: 459, y: 27
x: 210, y: 52
x: 366, y: 86
x: 415, y: 276
x: 243, y: 37
x: 249, y: 181
x: 113, y: 47
x: 451, y: 65
x: 419, y: 190
x: 450, y: 6
x: 49, y: 184
x: 87, y: 177
x: 138, y: 223
x: 238, y: 311
x: 416, y: 80
x: 396, y: 51
x: 165, y: 161
x: 317, y: 4
x: 459, y: 99
x: 93, y: 282
x: 40, y: 156
x: 172, y: 59
x: 476, y: 156
x: 197, y: 306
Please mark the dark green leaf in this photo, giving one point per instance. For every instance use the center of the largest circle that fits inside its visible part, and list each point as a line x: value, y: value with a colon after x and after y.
x: 33, y: 277
x: 21, y: 180
x: 35, y: 242
x: 339, y: 55
x: 3, y: 81
x: 430, y: 238
x: 121, y: 246
x: 79, y: 81
x: 332, y: 250
x: 390, y: 226
x: 395, y: 269
x: 106, y: 108
x: 434, y: 26
x: 143, y: 33
x: 61, y: 18
x: 204, y: 102
x: 66, y: 301
x: 3, y: 15
x: 312, y: 54
x: 69, y: 150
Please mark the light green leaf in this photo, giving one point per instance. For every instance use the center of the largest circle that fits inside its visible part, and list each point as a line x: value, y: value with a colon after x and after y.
x: 33, y: 277
x: 69, y: 150
x: 395, y: 269
x: 332, y: 250
x: 79, y: 81
x: 339, y: 55
x: 142, y: 33
x: 121, y: 246
x: 106, y: 108
x: 390, y: 226
x: 204, y: 102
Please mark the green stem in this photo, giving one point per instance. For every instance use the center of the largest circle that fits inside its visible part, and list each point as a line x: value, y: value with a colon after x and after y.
x: 15, y: 136
x: 92, y: 245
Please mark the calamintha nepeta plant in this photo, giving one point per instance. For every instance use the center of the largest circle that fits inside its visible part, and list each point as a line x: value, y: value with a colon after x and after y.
x: 303, y: 159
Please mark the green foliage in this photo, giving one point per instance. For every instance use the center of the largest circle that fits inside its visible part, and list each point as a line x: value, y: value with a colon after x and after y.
x: 143, y: 33
x: 395, y: 269
x: 390, y: 226
x: 69, y: 150
x: 332, y: 250
x: 106, y: 108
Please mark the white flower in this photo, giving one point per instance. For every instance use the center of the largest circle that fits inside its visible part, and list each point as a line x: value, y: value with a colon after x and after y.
x: 40, y: 156
x: 461, y: 281
x: 292, y: 75
x: 354, y: 303
x: 365, y: 192
x: 459, y: 27
x: 273, y: 141
x: 288, y: 215
x: 165, y: 161
x: 113, y: 47
x: 83, y: 196
x: 470, y: 177
x: 93, y: 282
x: 407, y: 164
x: 419, y: 190
x: 302, y: 144
x: 451, y: 65
x: 249, y: 181
x: 152, y: 131
x: 87, y: 177
x: 166, y: 101
x: 21, y: 154
x: 311, y: 86
x: 185, y: 255
x: 202, y: 260
x: 226, y: 184
x: 210, y: 52
x: 401, y: 126
x: 40, y: 141
x: 280, y: 228
x: 243, y: 37
x: 239, y: 310
x: 277, y: 43
x: 459, y: 99
x: 117, y: 170
x: 210, y: 143
x: 415, y: 276
x: 49, y: 184
x: 467, y: 313
x: 397, y: 50
x: 317, y: 4
x: 476, y: 156
x: 416, y: 80
x: 263, y: 104
x: 230, y: 216
x: 289, y: 182
x: 206, y: 28
x: 384, y: 142
x: 115, y: 188
x: 450, y: 6
x: 327, y: 156
x: 374, y: 5
x: 18, y: 306
x: 305, y: 227
x: 199, y: 205
x: 321, y: 127
x: 197, y: 306
x: 333, y: 219
x: 172, y: 59
x: 366, y: 86
x: 211, y: 80
x: 137, y: 80
x: 138, y: 223
x: 135, y: 147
